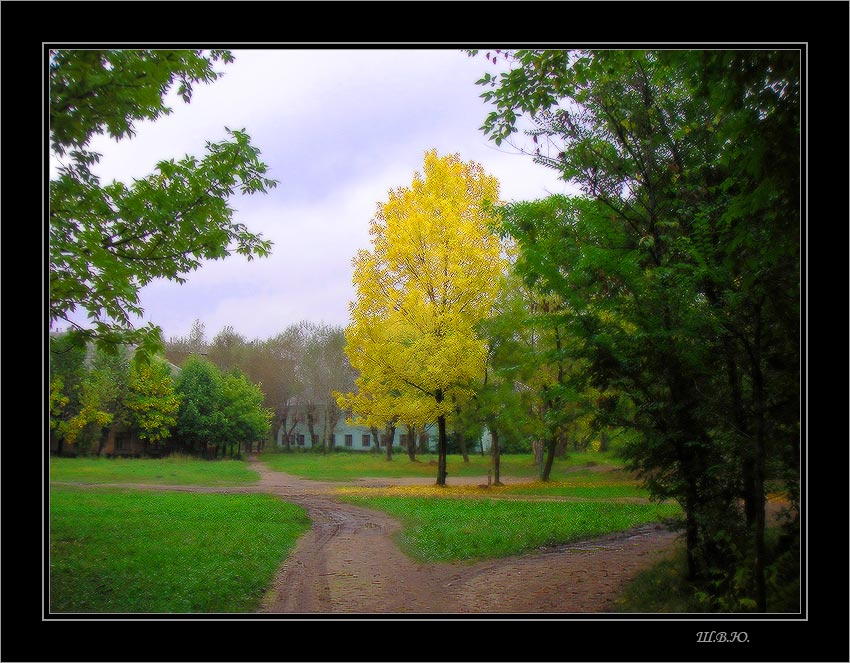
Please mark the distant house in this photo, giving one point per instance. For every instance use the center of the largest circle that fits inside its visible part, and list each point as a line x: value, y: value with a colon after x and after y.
x: 345, y: 436
x: 358, y: 438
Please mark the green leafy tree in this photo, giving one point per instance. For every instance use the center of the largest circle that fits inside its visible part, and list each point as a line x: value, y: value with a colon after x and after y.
x: 109, y: 240
x: 199, y: 416
x: 244, y: 420
x: 218, y: 411
x: 152, y: 400
x: 680, y: 277
x: 502, y: 399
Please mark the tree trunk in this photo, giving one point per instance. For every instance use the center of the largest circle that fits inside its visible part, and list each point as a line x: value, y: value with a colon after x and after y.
x: 461, y: 439
x: 60, y: 442
x: 496, y: 453
x: 103, y: 439
x: 603, y: 441
x: 329, y: 435
x: 411, y: 443
x: 537, y: 452
x: 285, y: 435
x: 760, y: 458
x: 390, y: 438
x: 561, y: 449
x: 420, y: 443
x: 550, y: 457
x: 441, y: 443
x: 289, y: 433
x: 691, y: 531
x: 376, y: 439
x: 311, y: 425
x: 740, y: 420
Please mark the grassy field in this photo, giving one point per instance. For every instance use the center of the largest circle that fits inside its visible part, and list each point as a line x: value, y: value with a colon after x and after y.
x: 174, y: 470
x: 439, y: 530
x: 583, y: 484
x: 341, y: 466
x: 138, y: 551
x: 580, y: 484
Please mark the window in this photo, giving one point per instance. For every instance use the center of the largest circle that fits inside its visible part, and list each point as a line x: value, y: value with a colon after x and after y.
x: 366, y: 441
x: 331, y: 439
x: 300, y: 440
x: 349, y: 440
x: 314, y: 439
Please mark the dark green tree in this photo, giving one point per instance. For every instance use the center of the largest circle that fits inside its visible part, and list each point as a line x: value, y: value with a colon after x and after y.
x: 218, y: 411
x: 200, y: 416
x: 244, y: 418
x: 680, y: 272
x: 109, y: 240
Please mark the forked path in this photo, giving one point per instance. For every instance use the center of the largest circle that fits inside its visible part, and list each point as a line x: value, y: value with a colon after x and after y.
x: 349, y: 563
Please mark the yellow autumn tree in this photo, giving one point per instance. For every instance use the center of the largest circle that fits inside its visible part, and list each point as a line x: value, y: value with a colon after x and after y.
x: 430, y: 277
x: 152, y: 400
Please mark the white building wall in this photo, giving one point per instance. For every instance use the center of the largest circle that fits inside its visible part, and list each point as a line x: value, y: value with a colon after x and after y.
x: 358, y: 434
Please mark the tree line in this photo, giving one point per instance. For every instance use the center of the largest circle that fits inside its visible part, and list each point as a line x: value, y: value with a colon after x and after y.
x: 197, y: 409
x: 297, y: 369
x: 675, y: 278
x: 203, y: 397
x: 661, y: 305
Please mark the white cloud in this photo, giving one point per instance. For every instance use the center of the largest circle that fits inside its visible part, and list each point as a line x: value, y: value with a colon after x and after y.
x: 338, y: 129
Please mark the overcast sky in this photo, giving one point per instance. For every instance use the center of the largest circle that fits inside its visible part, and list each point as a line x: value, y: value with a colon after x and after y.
x: 338, y: 129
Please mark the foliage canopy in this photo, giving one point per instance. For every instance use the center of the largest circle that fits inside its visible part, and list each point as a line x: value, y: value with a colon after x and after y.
x: 109, y: 240
x: 430, y: 277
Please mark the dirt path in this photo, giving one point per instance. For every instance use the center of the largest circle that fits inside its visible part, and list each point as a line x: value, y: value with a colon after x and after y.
x: 349, y: 563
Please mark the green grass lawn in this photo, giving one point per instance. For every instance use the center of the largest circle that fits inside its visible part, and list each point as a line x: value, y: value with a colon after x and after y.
x: 342, y: 466
x: 174, y: 470
x: 589, y: 492
x: 440, y: 530
x: 584, y: 484
x: 139, y: 551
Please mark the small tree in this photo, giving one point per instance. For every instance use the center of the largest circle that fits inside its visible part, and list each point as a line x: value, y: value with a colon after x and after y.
x: 244, y: 418
x: 152, y: 400
x: 199, y: 416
